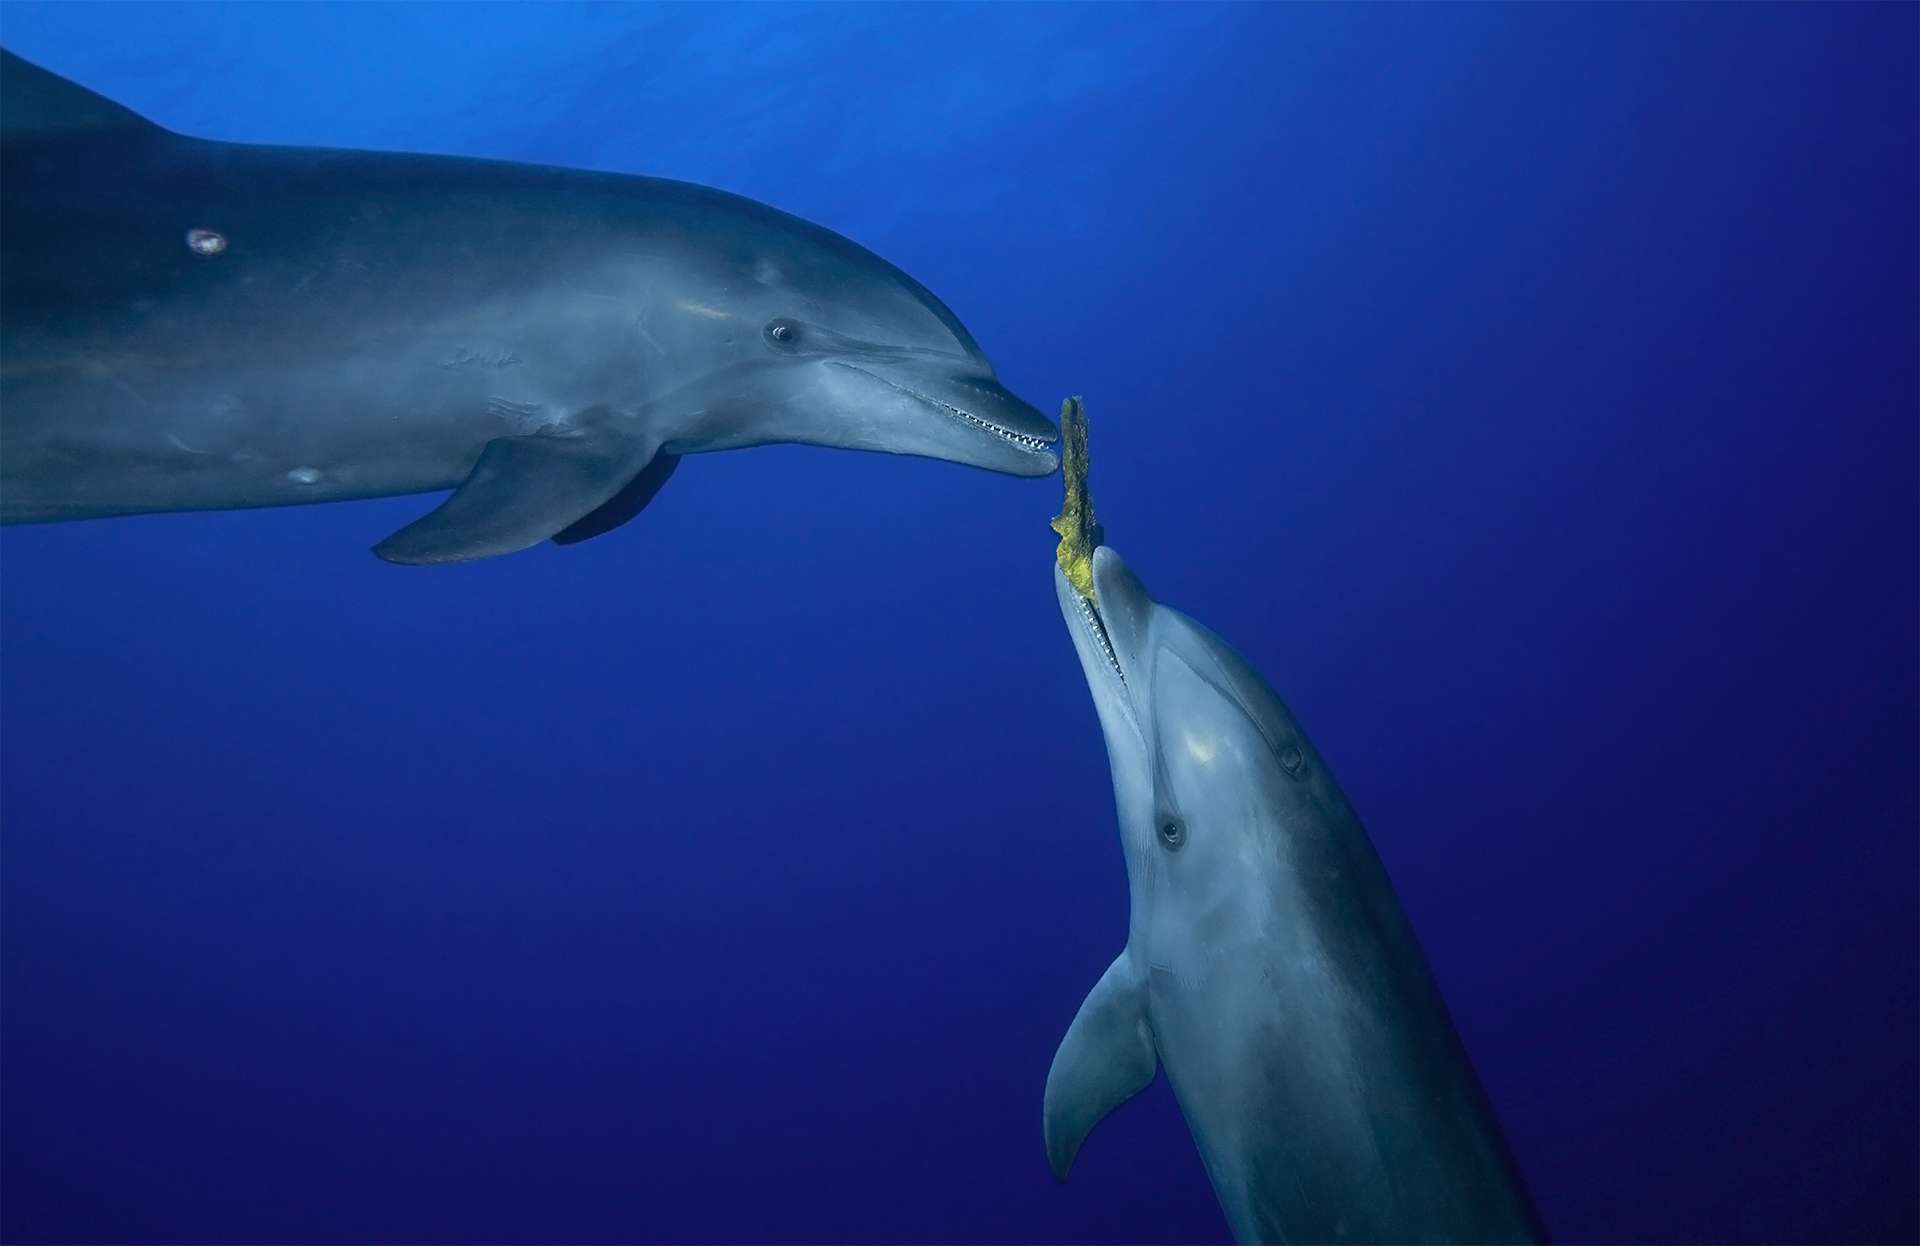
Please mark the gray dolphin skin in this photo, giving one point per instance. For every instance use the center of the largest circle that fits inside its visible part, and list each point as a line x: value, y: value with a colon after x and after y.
x: 1268, y: 966
x: 197, y: 325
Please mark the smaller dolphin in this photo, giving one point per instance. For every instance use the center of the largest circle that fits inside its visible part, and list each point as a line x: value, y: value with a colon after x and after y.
x: 1268, y: 964
x: 196, y: 325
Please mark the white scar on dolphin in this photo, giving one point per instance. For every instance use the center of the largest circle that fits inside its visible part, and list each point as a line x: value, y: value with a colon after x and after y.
x: 1268, y: 964
x: 197, y: 325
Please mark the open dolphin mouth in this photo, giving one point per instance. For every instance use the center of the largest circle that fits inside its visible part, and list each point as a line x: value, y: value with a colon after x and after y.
x: 1018, y: 439
x: 1036, y: 445
x: 1090, y: 615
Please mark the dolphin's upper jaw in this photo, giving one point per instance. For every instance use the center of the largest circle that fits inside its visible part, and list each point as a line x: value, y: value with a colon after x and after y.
x: 1099, y: 660
x: 1119, y: 624
x: 1026, y: 441
x: 1034, y: 445
x: 1097, y: 632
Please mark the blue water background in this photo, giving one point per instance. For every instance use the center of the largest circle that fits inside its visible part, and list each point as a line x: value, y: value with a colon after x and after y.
x: 1530, y: 392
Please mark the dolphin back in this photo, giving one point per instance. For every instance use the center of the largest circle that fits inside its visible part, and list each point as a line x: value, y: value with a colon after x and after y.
x: 36, y: 105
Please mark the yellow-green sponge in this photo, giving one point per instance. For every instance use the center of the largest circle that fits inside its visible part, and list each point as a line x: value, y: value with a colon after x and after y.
x: 1079, y: 533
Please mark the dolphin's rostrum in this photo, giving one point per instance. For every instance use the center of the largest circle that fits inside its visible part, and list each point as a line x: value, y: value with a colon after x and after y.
x: 1268, y: 965
x: 194, y: 325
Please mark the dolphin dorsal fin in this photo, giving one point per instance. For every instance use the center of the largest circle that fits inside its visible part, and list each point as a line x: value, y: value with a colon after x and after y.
x: 37, y: 104
x: 1106, y: 1059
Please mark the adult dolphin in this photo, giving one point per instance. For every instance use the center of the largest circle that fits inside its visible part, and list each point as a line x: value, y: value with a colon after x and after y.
x: 1268, y: 964
x: 198, y: 325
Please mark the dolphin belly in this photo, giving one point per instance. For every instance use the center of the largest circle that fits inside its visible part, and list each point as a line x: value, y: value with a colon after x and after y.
x: 87, y: 439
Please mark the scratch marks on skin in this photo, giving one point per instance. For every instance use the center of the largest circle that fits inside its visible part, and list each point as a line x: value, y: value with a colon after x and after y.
x: 646, y: 335
x: 522, y: 417
x: 304, y: 476
x: 480, y: 357
x: 175, y: 440
x: 120, y: 383
x: 701, y: 309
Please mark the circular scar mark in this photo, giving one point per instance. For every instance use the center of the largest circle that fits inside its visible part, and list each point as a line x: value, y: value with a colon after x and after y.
x: 304, y: 476
x: 206, y: 241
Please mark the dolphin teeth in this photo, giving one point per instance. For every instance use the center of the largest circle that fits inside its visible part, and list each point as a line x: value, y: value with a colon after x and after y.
x: 1018, y: 439
x: 1024, y: 440
x: 1099, y: 630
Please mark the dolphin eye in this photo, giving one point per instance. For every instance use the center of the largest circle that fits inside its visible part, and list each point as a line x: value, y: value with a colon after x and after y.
x: 783, y: 333
x: 1172, y: 834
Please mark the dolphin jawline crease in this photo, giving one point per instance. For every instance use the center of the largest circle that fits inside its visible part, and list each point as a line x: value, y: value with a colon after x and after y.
x: 197, y: 325
x: 1268, y: 967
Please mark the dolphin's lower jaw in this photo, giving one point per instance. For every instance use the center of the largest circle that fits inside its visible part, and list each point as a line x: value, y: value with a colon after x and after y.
x: 1039, y: 459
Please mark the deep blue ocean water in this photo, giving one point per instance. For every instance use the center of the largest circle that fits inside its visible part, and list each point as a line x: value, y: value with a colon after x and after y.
x: 1529, y: 392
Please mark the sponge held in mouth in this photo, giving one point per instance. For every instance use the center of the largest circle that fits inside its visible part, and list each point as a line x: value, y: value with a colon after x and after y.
x: 1079, y: 532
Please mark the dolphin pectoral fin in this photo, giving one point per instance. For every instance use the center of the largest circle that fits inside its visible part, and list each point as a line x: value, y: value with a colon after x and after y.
x: 624, y: 505
x: 1106, y: 1058
x: 522, y: 491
